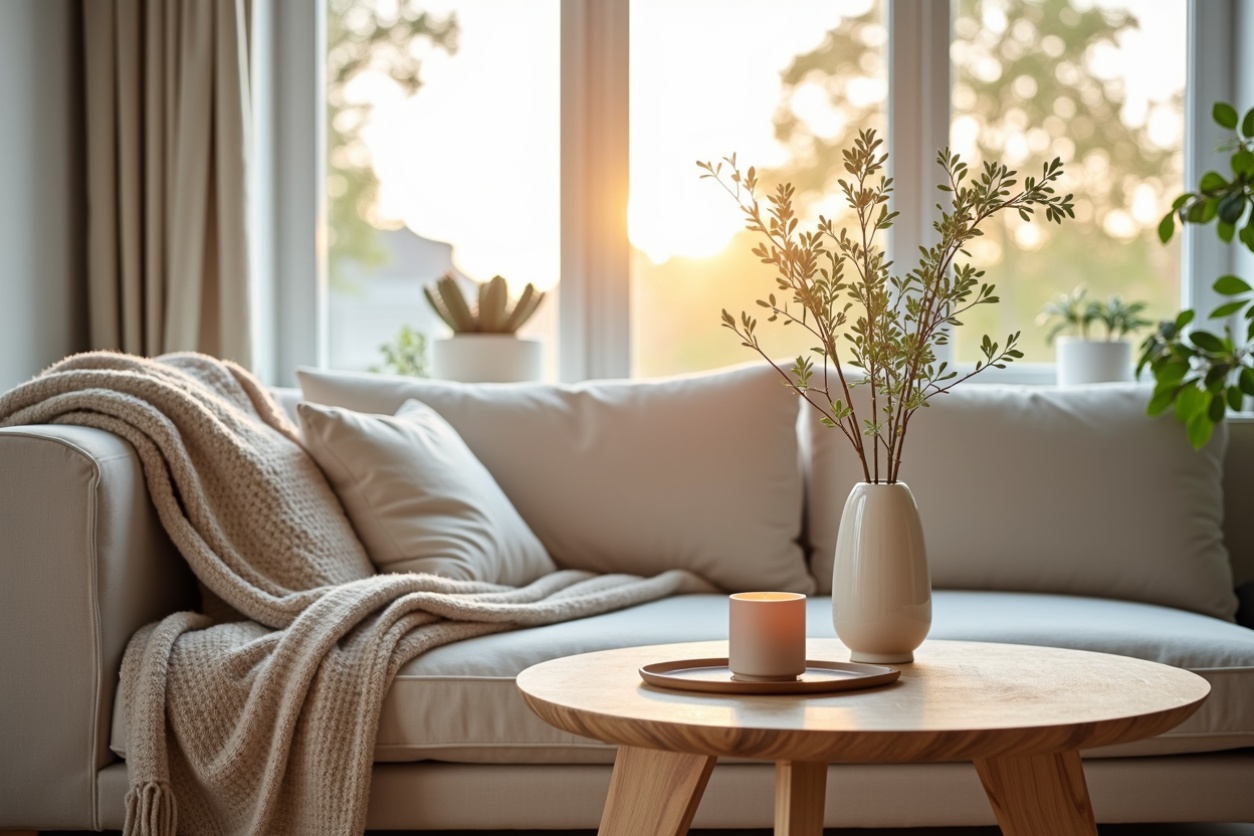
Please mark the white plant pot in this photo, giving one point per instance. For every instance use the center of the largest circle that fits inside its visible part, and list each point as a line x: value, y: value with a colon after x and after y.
x: 1093, y: 361
x: 487, y: 358
x: 881, y: 588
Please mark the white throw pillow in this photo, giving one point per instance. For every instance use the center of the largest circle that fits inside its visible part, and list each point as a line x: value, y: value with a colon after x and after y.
x: 699, y: 472
x: 418, y: 498
x: 1043, y: 489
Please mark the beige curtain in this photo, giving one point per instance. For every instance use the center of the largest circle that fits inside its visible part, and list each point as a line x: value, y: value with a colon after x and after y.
x: 168, y: 133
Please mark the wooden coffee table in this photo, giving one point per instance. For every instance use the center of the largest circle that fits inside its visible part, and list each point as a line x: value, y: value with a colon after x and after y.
x: 1020, y: 714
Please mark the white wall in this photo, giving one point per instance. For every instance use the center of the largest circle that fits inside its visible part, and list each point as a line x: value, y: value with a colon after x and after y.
x: 42, y: 309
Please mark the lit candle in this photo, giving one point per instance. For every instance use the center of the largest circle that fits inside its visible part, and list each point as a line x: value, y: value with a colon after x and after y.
x: 767, y: 636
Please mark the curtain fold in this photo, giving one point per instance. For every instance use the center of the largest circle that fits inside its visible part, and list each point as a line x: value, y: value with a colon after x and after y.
x: 169, y: 144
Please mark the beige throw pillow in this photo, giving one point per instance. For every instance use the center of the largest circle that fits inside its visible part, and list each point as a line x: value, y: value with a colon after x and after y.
x: 699, y: 472
x: 1042, y: 489
x: 418, y: 498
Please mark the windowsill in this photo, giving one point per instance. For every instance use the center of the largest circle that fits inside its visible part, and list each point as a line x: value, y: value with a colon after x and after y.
x: 1028, y: 374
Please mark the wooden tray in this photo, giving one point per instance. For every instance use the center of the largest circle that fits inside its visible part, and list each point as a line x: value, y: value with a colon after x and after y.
x: 714, y: 677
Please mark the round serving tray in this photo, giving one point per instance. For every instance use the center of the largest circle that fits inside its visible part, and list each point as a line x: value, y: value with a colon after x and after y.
x: 713, y: 676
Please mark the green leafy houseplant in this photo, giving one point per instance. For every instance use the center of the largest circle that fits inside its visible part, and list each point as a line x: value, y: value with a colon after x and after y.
x: 1074, y: 311
x: 1198, y: 373
x: 407, y: 355
x: 1121, y: 318
x: 837, y: 286
x: 492, y: 313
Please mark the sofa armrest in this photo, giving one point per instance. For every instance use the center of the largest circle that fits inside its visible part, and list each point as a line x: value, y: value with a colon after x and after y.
x: 84, y: 563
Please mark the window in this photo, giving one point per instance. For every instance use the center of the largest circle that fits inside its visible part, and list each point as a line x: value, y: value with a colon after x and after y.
x: 665, y: 293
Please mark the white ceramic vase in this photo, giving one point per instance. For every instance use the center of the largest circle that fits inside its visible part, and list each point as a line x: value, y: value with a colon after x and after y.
x: 1092, y: 361
x: 486, y: 358
x: 881, y: 589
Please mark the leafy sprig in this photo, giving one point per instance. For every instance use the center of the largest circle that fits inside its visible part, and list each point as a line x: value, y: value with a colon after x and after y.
x: 1200, y: 375
x: 836, y: 284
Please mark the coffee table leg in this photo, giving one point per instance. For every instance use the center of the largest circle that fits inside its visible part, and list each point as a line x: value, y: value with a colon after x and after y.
x: 1038, y: 795
x: 654, y: 793
x: 800, y: 793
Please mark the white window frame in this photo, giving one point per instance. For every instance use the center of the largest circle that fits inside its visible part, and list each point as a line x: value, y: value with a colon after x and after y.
x: 595, y: 297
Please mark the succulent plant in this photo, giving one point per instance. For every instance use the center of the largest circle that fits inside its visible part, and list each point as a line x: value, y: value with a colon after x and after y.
x: 492, y: 313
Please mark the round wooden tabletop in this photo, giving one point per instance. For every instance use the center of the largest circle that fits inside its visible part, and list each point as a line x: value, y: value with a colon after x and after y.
x: 956, y: 701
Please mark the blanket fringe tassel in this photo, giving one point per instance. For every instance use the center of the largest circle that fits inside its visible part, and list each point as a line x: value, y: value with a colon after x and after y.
x: 150, y: 810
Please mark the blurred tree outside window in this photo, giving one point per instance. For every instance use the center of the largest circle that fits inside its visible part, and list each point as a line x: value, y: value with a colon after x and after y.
x: 442, y: 154
x: 374, y: 56
x: 713, y: 79
x: 1100, y: 85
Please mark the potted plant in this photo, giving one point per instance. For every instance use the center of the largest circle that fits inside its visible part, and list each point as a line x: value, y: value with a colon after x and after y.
x: 406, y: 356
x: 1198, y: 374
x: 878, y: 331
x: 485, y: 346
x: 1082, y: 357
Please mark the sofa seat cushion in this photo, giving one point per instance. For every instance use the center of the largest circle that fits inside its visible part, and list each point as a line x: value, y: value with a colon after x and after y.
x: 458, y: 702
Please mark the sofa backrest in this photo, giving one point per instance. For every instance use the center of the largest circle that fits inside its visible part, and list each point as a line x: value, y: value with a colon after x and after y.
x: 1238, y: 484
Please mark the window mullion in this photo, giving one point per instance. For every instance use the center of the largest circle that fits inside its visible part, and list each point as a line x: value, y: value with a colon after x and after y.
x: 1241, y: 67
x: 596, y: 257
x: 288, y: 205
x: 1210, y: 79
x: 918, y: 122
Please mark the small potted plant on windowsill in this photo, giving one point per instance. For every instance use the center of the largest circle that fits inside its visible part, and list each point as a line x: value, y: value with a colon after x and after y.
x: 1081, y: 357
x: 485, y: 346
x: 406, y: 356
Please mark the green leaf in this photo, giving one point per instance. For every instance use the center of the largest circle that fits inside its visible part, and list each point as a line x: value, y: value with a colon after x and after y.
x: 1243, y: 161
x: 1225, y: 231
x: 1231, y: 208
x: 1247, y: 124
x: 1190, y: 400
x: 1218, y: 406
x: 1230, y: 285
x: 1184, y: 318
x: 1162, y: 399
x: 1235, y: 398
x: 1173, y: 372
x: 1167, y: 227
x: 1225, y: 115
x: 1213, y: 181
x: 1246, y: 381
x: 1227, y: 310
x: 1207, y: 342
x: 1199, y: 429
x: 1215, y: 376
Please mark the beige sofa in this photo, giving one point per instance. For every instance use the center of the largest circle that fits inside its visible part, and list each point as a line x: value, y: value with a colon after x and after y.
x: 84, y: 563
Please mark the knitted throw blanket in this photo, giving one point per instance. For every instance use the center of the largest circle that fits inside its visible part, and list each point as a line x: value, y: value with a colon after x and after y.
x: 266, y: 723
